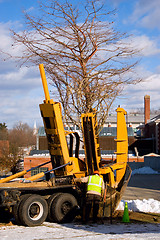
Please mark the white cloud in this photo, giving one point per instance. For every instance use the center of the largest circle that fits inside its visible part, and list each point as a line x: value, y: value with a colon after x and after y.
x: 20, y: 95
x: 22, y: 109
x: 6, y: 47
x: 4, y: 33
x: 116, y: 2
x: 144, y: 45
x: 29, y: 9
x: 23, y: 77
x: 20, y: 87
x: 158, y: 69
x: 133, y: 95
x: 146, y: 13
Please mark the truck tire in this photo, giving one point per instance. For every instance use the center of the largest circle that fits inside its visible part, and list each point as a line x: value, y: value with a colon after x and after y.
x: 33, y: 210
x: 50, y: 201
x: 15, y: 208
x: 63, y: 208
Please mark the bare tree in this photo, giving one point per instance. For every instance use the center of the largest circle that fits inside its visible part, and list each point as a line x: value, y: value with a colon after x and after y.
x: 4, y: 147
x: 87, y: 59
x: 11, y: 151
x: 20, y: 136
x: 3, y: 131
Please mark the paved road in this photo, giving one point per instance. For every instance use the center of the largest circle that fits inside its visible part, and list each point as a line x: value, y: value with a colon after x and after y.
x: 143, y: 187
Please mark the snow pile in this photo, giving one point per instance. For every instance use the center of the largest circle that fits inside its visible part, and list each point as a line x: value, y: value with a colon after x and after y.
x: 144, y: 170
x: 150, y: 205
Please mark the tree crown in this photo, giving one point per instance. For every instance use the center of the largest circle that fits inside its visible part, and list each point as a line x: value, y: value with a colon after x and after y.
x: 87, y: 60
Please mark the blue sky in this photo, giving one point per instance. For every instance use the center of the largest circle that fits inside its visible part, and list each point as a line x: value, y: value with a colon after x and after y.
x: 20, y: 88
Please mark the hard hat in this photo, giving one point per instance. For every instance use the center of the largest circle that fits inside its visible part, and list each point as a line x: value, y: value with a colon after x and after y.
x: 96, y: 172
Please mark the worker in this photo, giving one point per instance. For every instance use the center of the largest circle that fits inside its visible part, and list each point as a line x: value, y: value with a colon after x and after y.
x: 95, y: 190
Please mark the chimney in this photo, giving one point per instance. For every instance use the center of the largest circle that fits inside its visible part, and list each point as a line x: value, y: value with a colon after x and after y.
x: 146, y: 108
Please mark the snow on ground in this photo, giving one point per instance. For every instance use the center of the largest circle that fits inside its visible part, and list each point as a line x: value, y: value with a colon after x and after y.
x: 144, y: 205
x: 144, y: 170
x: 150, y: 205
x: 48, y: 231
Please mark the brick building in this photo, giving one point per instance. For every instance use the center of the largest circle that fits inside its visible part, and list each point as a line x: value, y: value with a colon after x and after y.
x: 149, y: 133
x: 33, y: 161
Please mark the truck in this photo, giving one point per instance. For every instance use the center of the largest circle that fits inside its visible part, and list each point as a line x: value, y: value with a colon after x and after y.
x: 58, y: 197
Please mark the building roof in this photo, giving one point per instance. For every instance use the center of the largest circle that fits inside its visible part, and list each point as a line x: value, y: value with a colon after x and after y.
x: 155, y: 119
x: 112, y: 131
x: 106, y: 131
x: 130, y: 118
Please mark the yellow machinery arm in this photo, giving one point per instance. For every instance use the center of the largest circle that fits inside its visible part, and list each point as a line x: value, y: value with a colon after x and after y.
x: 91, y: 142
x: 117, y: 170
x: 44, y: 82
x: 52, y: 118
x: 122, y: 143
x: 22, y: 173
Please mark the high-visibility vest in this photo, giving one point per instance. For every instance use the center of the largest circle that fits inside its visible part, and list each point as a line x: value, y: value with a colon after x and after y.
x: 94, y: 183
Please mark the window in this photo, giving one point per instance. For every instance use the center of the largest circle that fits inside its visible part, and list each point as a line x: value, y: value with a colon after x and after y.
x: 38, y: 170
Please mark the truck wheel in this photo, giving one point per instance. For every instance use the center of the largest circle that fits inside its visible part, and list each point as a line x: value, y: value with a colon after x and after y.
x: 15, y: 208
x: 64, y: 207
x: 50, y: 201
x: 33, y: 210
